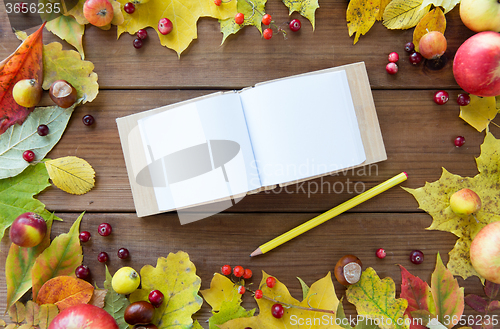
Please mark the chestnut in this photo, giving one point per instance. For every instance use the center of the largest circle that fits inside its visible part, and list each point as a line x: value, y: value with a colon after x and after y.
x: 348, y: 270
x: 140, y: 312
x: 145, y: 326
x: 62, y: 93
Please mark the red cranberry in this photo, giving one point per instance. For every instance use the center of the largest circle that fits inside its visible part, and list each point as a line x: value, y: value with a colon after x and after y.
x: 82, y: 272
x: 459, y: 141
x: 102, y: 257
x: 123, y: 253
x: 104, y: 229
x: 417, y: 257
x: 84, y: 236
x: 155, y: 298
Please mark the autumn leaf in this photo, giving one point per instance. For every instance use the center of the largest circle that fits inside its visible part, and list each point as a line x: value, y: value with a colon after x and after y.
x: 65, y: 291
x: 32, y: 313
x: 361, y: 15
x: 305, y: 288
x: 47, y: 313
x: 71, y: 174
x: 98, y: 297
x: 447, y: 5
x: 17, y: 312
x: 252, y: 18
x: 67, y: 28
x: 18, y: 267
x: 18, y: 139
x: 67, y: 65
x: 361, y: 323
x: 479, y: 112
x: 306, y: 8
x: 434, y: 198
x: 432, y: 21
x: 448, y: 296
x: 175, y: 276
x: 24, y: 63
x: 383, y: 5
x: 16, y: 195
x: 404, y: 14
x: 321, y: 296
x: 184, y: 15
x: 115, y: 303
x: 376, y: 299
x: 62, y: 257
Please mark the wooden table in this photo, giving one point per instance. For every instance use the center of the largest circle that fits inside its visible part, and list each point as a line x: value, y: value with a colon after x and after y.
x: 418, y: 136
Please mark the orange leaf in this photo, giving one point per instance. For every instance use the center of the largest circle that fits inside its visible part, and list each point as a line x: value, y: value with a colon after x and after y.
x: 432, y: 21
x: 24, y: 63
x: 65, y: 291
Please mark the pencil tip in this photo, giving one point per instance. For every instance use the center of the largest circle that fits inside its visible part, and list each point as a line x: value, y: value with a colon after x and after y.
x: 256, y: 252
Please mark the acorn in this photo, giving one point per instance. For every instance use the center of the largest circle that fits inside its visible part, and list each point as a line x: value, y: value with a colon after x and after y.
x: 62, y: 93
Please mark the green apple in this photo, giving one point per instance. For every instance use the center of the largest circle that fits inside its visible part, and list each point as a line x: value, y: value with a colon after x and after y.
x: 485, y: 252
x: 481, y: 15
x: 465, y: 202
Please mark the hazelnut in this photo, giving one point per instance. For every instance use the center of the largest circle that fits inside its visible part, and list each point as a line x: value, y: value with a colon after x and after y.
x: 62, y: 93
x: 348, y: 270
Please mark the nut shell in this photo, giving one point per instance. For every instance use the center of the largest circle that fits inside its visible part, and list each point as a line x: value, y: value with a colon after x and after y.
x: 62, y: 93
x: 348, y: 270
x: 140, y: 312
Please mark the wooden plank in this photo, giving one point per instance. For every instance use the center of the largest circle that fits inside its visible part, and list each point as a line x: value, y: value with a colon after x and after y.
x: 418, y: 136
x: 246, y: 59
x: 229, y: 238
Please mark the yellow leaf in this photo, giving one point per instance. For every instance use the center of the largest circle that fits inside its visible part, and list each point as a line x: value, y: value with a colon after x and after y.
x: 432, y: 21
x: 404, y: 14
x: 306, y: 8
x: 17, y: 312
x: 446, y: 4
x: 47, y: 313
x: 479, y: 112
x: 321, y: 295
x: 360, y: 16
x: 71, y: 174
x: 184, y: 15
x: 221, y: 289
x: 383, y: 5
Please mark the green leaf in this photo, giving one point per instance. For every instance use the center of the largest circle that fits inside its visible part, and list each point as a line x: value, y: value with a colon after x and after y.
x: 446, y: 4
x: 252, y: 18
x: 175, y: 276
x: 197, y: 325
x: 343, y: 322
x: 229, y: 310
x: 404, y: 14
x: 114, y: 303
x: 18, y: 267
x: 67, y: 65
x: 306, y: 8
x: 67, y: 28
x: 448, y: 296
x: 376, y: 299
x: 19, y: 138
x: 62, y: 257
x: 16, y: 195
x: 305, y: 288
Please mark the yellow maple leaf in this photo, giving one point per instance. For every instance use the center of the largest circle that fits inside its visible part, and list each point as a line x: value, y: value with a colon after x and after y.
x: 434, y: 198
x: 71, y: 174
x: 479, y: 112
x: 321, y: 295
x: 432, y: 21
x: 404, y: 14
x: 184, y: 15
x: 361, y: 15
x: 221, y: 289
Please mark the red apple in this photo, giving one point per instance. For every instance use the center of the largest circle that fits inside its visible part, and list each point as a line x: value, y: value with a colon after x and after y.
x: 481, y: 15
x: 476, y: 66
x: 28, y: 230
x: 83, y: 316
x: 465, y: 202
x: 98, y: 12
x: 485, y: 252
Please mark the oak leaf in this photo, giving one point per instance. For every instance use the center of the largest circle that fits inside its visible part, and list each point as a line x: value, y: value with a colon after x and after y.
x: 253, y: 17
x: 114, y: 303
x: 175, y: 276
x: 18, y: 267
x: 446, y: 4
x: 361, y: 15
x: 71, y: 174
x: 404, y: 14
x: 432, y: 21
x: 306, y: 8
x: 65, y: 291
x: 25, y: 63
x: 62, y: 257
x: 321, y: 296
x: 434, y: 198
x: 360, y: 323
x: 479, y: 112
x: 376, y: 299
x: 184, y: 15
x: 67, y: 28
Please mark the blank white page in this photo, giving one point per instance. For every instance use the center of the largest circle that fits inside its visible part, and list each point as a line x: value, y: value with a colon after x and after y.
x: 302, y: 126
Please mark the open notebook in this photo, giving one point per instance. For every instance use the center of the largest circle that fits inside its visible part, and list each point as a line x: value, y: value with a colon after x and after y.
x: 224, y: 145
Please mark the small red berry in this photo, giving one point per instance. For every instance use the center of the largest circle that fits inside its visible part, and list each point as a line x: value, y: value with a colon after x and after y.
x: 277, y: 311
x: 247, y: 274
x: 266, y: 19
x: 416, y: 257
x: 137, y: 43
x: 415, y: 58
x: 268, y: 33
x: 123, y: 253
x: 42, y: 130
x: 463, y: 99
x: 239, y: 18
x: 82, y: 272
x: 295, y: 25
x: 88, y: 120
x: 102, y: 257
x: 142, y: 34
x: 459, y: 141
x: 393, y: 57
x: 226, y: 270
x: 409, y: 47
x: 165, y: 26
x: 258, y: 294
x: 391, y: 68
x: 156, y: 298
x: 238, y: 271
x: 381, y: 253
x: 28, y: 156
x: 84, y: 236
x: 104, y: 229
x: 218, y: 2
x: 270, y: 282
x: 129, y: 8
x: 241, y: 290
x: 441, y: 97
